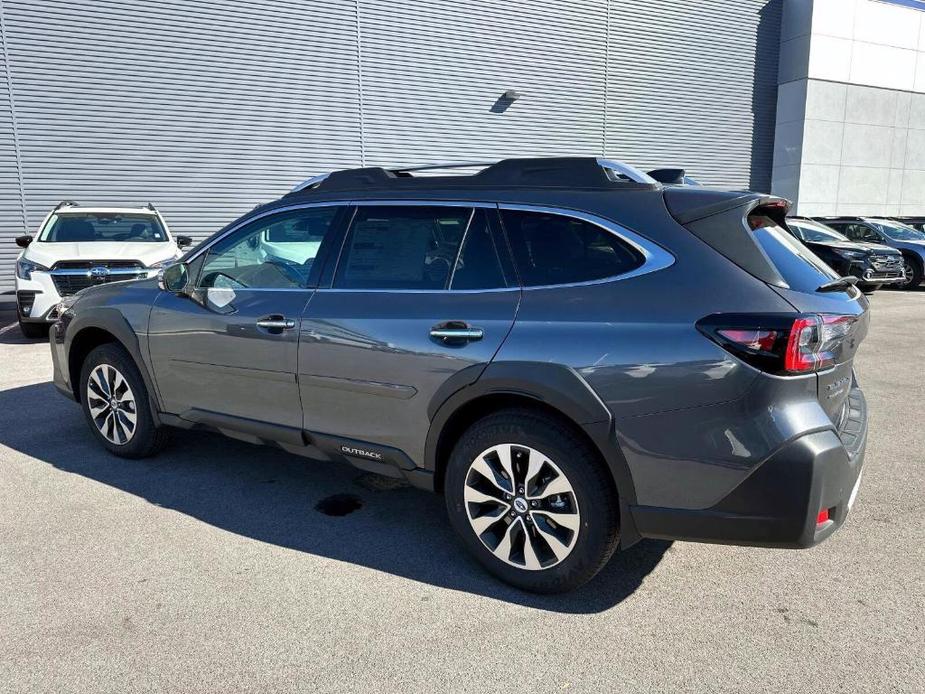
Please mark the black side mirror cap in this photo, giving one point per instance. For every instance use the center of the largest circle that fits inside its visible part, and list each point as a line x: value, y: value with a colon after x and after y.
x: 184, y: 241
x: 24, y: 240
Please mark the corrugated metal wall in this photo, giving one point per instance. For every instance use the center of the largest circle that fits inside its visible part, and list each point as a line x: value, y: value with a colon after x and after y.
x: 694, y: 84
x: 206, y: 108
x: 11, y: 207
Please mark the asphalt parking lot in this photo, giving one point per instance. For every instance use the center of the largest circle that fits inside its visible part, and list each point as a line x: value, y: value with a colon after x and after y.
x: 207, y: 569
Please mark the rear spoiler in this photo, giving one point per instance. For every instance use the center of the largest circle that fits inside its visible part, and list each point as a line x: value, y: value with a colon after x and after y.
x: 721, y: 220
x: 688, y: 204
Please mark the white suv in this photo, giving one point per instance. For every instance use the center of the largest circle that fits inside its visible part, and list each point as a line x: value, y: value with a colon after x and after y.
x: 78, y: 247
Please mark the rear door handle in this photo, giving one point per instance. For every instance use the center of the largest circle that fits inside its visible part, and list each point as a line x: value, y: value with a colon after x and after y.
x: 276, y: 324
x: 456, y: 331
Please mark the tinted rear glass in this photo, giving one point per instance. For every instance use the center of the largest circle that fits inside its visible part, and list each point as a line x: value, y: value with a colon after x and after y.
x: 554, y: 249
x: 801, y: 269
x: 83, y: 228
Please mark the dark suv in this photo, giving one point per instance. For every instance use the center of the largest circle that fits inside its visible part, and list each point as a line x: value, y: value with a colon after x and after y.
x: 908, y: 241
x: 574, y: 355
x: 872, y: 263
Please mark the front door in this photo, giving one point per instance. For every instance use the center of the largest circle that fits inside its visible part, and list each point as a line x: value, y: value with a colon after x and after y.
x: 228, y: 354
x: 419, y: 297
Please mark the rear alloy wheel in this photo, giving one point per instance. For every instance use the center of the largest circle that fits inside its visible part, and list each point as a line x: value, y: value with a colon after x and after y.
x: 532, y: 500
x: 528, y: 517
x: 115, y: 401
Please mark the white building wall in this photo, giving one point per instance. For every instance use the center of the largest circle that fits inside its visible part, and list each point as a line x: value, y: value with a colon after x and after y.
x: 850, y: 135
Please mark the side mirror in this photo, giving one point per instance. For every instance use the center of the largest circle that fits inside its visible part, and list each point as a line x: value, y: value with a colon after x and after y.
x: 183, y: 241
x: 24, y: 240
x: 174, y: 278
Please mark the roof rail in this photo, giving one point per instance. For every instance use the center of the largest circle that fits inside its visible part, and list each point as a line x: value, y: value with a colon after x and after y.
x: 446, y: 165
x: 614, y: 171
x: 309, y: 182
x: 66, y: 203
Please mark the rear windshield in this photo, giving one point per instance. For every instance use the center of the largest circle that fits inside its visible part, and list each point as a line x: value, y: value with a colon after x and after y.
x: 92, y: 226
x: 801, y: 269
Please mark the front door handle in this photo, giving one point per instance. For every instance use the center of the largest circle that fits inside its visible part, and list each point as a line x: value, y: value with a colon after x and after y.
x: 456, y: 331
x: 276, y: 324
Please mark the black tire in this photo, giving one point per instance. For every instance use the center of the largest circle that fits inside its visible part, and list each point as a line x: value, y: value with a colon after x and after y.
x: 146, y: 438
x: 598, y: 529
x: 916, y: 269
x: 33, y: 331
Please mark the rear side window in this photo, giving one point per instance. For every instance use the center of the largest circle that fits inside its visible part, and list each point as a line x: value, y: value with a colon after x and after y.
x: 554, y: 249
x: 800, y: 267
x: 479, y: 264
x: 396, y: 247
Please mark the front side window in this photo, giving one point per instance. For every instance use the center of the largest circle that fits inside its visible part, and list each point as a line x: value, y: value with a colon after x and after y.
x: 275, y: 252
x: 398, y: 247
x: 87, y: 227
x: 860, y: 232
x: 556, y: 249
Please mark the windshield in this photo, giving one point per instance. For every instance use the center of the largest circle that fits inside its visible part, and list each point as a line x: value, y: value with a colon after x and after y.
x: 897, y: 231
x: 102, y: 226
x: 812, y: 231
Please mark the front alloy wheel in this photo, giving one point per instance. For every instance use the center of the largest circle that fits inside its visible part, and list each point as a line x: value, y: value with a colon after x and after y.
x: 521, y: 506
x: 112, y: 404
x: 116, y: 403
x: 912, y: 274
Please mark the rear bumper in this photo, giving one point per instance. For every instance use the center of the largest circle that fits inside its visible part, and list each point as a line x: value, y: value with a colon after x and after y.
x: 779, y: 503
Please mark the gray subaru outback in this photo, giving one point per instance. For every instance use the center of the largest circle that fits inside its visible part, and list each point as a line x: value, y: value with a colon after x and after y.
x: 574, y: 355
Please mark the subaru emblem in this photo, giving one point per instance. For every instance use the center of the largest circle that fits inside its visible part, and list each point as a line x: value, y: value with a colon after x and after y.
x: 99, y: 272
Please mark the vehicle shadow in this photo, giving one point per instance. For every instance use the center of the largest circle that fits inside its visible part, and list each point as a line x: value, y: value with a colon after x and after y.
x: 268, y: 495
x: 12, y: 336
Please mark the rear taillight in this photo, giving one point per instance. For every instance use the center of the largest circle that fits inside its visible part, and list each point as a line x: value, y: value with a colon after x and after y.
x: 780, y: 343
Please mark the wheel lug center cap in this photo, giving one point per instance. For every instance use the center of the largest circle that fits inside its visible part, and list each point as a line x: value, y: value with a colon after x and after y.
x: 520, y: 505
x: 113, y: 403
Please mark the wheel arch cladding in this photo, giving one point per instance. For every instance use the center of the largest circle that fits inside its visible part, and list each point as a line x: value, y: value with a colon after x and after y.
x: 105, y: 326
x: 549, y: 388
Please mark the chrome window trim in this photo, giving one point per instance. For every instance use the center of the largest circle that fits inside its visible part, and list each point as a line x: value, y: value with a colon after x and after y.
x: 389, y: 202
x: 418, y: 291
x: 655, y: 257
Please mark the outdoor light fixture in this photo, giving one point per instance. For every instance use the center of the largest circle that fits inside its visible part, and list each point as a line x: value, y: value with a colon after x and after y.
x: 511, y: 95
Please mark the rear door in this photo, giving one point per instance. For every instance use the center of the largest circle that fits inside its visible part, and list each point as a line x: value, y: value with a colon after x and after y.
x: 227, y: 354
x: 421, y: 299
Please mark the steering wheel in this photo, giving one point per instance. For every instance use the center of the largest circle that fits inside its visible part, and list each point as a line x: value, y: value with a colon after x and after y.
x: 290, y: 271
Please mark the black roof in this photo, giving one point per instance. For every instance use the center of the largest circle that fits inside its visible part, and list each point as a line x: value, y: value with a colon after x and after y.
x: 558, y: 172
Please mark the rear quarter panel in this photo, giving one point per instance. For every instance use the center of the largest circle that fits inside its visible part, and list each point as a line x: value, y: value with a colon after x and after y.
x: 685, y: 412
